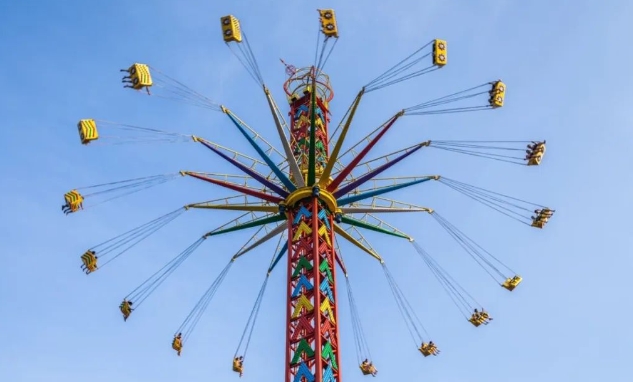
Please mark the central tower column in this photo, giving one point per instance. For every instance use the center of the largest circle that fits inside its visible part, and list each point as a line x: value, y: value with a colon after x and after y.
x: 312, y: 337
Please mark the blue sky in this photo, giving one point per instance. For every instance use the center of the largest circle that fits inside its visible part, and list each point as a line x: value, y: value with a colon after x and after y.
x: 565, y: 64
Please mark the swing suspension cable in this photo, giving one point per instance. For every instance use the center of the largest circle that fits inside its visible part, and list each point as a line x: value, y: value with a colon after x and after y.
x: 247, y: 334
x: 191, y: 321
x: 484, y: 149
x: 127, y: 184
x: 131, y: 238
x: 482, y: 257
x: 460, y: 297
x: 362, y: 347
x: 147, y: 134
x: 414, y: 325
x: 181, y: 92
x: 319, y: 63
x: 423, y: 108
x: 396, y: 73
x: 509, y: 206
x: 360, y: 339
x: 143, y: 291
x: 248, y: 60
x: 250, y: 324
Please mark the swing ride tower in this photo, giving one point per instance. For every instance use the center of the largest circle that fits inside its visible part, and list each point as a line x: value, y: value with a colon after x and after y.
x: 312, y: 336
x: 309, y: 194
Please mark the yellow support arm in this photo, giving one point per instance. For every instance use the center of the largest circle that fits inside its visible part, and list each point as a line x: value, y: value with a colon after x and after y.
x: 339, y: 142
x: 235, y: 207
x: 351, y: 239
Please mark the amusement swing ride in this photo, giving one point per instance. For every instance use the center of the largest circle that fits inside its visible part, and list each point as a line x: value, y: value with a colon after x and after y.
x: 309, y: 195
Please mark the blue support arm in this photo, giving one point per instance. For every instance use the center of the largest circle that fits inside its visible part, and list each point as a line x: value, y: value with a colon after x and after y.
x: 282, y: 177
x: 372, y: 174
x: 281, y: 254
x: 280, y: 191
x: 371, y: 193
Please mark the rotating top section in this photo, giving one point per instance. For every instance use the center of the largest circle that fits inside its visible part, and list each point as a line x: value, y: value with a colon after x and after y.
x: 300, y: 84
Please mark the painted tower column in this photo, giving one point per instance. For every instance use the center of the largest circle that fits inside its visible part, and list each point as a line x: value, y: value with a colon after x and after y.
x: 312, y: 353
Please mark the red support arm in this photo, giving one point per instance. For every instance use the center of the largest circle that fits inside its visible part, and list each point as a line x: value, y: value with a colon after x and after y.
x: 345, y: 172
x: 238, y: 188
